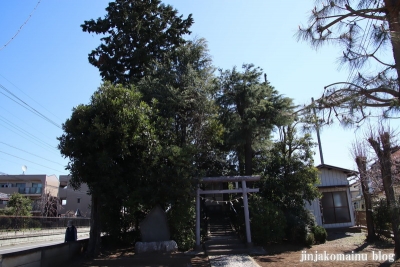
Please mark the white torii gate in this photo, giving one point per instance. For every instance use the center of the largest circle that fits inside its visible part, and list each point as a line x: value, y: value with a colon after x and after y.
x: 244, y: 190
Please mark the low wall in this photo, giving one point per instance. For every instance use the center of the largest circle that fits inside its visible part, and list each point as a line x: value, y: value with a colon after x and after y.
x: 23, y: 237
x: 55, y: 255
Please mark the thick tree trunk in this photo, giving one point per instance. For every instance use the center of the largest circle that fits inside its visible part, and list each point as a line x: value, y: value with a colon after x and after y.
x: 95, y: 228
x: 385, y: 160
x: 393, y: 8
x: 362, y: 169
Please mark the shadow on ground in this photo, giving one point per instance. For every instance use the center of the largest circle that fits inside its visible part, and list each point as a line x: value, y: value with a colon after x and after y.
x: 126, y: 257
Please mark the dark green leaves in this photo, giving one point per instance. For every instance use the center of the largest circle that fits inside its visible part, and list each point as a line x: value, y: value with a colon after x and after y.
x: 137, y: 32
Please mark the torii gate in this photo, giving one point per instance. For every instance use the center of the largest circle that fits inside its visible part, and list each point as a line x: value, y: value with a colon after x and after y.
x: 244, y: 190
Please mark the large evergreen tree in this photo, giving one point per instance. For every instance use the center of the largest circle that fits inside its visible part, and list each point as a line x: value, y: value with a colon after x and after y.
x: 137, y: 32
x: 110, y: 143
x: 182, y: 87
x: 367, y: 30
x: 249, y: 109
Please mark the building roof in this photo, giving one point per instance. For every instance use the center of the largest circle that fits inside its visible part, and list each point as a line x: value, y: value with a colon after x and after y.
x: 330, y: 167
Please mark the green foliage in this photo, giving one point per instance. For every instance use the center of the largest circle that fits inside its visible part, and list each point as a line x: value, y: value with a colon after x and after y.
x: 181, y: 89
x: 268, y: 223
x: 381, y: 216
x: 6, y: 211
x: 372, y: 55
x: 289, y: 175
x: 289, y: 180
x: 299, y: 221
x: 249, y: 109
x: 19, y: 205
x: 320, y: 234
x: 310, y: 240
x: 182, y: 219
x: 137, y: 33
x: 110, y: 144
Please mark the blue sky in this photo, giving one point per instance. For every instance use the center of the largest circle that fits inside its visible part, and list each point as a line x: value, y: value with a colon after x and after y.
x: 46, y: 66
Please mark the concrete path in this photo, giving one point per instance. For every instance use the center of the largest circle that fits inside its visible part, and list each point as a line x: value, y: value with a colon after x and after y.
x: 232, y: 261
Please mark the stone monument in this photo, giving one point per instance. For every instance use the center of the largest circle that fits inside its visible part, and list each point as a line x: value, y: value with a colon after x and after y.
x: 155, y: 233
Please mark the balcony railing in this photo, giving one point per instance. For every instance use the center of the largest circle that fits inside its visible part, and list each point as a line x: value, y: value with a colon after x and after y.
x: 30, y: 190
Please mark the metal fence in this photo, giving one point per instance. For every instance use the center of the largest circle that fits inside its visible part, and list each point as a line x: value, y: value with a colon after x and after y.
x: 17, y: 223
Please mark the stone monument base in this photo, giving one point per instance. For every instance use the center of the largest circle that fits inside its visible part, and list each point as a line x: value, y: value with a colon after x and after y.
x: 160, y: 246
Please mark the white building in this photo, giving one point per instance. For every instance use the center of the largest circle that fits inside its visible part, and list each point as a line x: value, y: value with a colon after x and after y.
x: 335, y: 208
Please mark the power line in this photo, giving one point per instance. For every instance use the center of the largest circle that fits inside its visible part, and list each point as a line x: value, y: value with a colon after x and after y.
x: 25, y: 123
x: 25, y: 138
x: 362, y: 43
x: 20, y: 28
x: 31, y: 153
x: 28, y: 107
x: 2, y: 173
x: 30, y: 97
x: 30, y: 161
x: 34, y: 138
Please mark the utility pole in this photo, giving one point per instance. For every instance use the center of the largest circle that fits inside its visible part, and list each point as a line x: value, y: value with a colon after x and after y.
x: 318, y: 137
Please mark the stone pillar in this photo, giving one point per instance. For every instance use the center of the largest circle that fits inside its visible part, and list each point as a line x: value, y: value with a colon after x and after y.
x: 246, y: 213
x: 198, y: 219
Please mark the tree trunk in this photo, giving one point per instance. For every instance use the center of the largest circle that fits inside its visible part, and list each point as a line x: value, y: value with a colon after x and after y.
x: 362, y: 169
x: 95, y: 228
x: 392, y: 12
x: 248, y: 156
x: 385, y: 160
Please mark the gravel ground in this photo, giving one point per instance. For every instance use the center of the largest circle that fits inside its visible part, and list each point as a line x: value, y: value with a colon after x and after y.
x: 232, y: 261
x: 340, y: 244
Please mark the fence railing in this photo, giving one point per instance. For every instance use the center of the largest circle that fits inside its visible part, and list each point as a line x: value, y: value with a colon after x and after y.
x: 17, y: 223
x: 30, y: 190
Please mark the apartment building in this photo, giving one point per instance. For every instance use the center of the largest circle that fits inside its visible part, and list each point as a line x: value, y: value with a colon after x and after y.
x: 32, y: 186
x: 73, y: 202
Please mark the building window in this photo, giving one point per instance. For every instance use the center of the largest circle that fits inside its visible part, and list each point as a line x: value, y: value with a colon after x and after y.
x: 335, y: 207
x: 36, y: 188
x: 78, y: 200
x: 20, y: 185
x: 64, y: 202
x: 6, y: 185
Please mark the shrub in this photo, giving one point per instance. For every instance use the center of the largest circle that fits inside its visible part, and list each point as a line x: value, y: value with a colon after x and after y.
x: 181, y: 219
x: 310, y: 240
x: 381, y: 216
x: 299, y: 221
x: 320, y: 234
x: 267, y: 222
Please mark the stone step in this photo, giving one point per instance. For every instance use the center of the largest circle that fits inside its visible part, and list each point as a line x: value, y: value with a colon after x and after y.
x: 227, y: 251
x: 222, y: 234
x: 223, y: 241
x: 225, y: 246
